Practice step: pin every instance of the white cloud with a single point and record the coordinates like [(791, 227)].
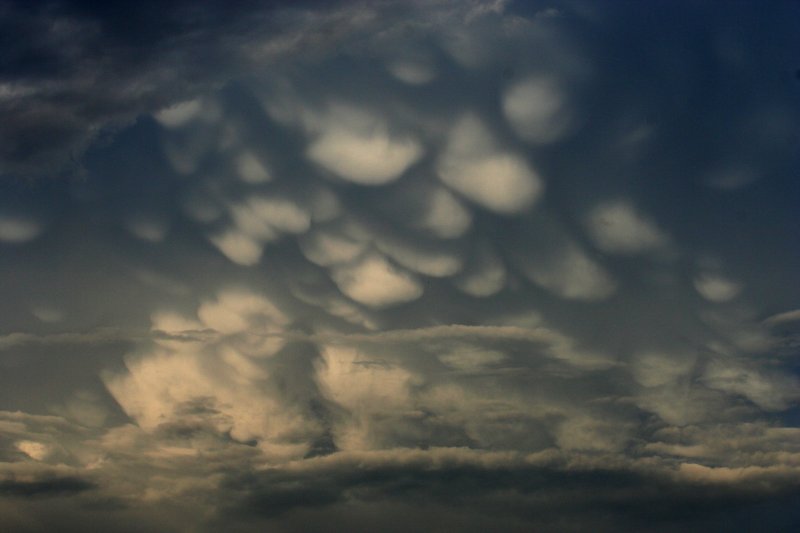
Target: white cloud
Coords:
[(280, 213), (235, 311), (258, 220), (334, 304), (616, 227), (179, 114), (250, 222), (35, 450), (265, 218), (172, 322), (538, 109), (360, 148), (238, 247), (434, 261), (412, 72), (371, 391), (219, 383), (782, 318), (497, 180), (568, 272), (349, 378), (175, 324), (185, 388), (716, 288), (527, 368), (374, 282), (326, 247)]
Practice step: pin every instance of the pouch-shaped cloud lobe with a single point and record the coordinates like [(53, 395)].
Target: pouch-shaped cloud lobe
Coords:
[(391, 266), (367, 157), (500, 181)]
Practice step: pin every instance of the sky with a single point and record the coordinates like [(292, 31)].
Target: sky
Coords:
[(432, 265)]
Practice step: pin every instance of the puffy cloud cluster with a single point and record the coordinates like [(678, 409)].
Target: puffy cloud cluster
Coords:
[(428, 265)]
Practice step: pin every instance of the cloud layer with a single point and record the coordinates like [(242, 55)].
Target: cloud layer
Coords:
[(399, 265)]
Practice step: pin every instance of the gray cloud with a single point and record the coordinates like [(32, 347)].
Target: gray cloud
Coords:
[(44, 488), (430, 265), (75, 70)]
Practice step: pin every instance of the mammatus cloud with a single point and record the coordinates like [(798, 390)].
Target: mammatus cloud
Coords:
[(499, 181), (413, 73), (358, 148), (538, 109), (474, 266), (618, 228), (373, 282)]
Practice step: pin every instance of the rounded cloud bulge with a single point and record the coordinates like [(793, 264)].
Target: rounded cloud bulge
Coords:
[(373, 281), (474, 166), (359, 148), (538, 109)]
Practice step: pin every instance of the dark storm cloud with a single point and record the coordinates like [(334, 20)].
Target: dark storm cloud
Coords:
[(542, 497), (70, 71), (67, 74), (44, 488)]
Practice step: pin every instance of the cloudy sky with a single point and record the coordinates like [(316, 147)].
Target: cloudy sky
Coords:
[(433, 265)]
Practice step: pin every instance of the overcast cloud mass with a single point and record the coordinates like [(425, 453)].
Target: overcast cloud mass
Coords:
[(445, 265)]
